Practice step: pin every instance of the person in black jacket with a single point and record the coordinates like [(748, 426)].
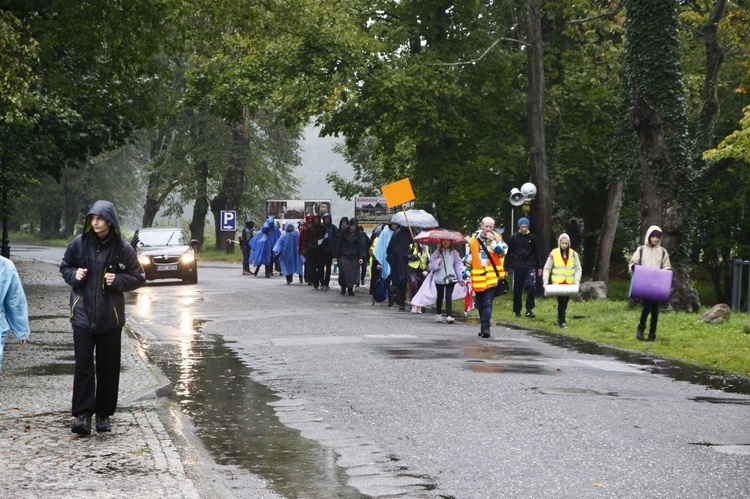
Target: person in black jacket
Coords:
[(350, 251), (399, 254), (314, 249), (330, 247), (247, 236), (99, 266), (523, 257)]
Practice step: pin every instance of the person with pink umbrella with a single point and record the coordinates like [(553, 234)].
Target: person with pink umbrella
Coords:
[(446, 263)]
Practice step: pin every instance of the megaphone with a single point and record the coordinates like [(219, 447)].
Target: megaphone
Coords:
[(528, 190), (517, 197)]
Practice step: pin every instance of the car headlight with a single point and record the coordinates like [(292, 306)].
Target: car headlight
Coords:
[(144, 260), (187, 257)]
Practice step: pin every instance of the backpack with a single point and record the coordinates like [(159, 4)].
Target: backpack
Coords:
[(379, 291)]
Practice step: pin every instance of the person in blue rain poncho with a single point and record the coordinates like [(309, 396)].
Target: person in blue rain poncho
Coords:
[(14, 310), (380, 254), (261, 246), (286, 248)]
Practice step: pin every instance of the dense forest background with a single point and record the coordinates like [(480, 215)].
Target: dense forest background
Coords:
[(624, 114)]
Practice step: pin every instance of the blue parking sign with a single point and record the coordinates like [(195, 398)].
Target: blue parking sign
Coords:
[(228, 220)]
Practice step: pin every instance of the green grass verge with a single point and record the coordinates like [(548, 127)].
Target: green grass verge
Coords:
[(681, 336)]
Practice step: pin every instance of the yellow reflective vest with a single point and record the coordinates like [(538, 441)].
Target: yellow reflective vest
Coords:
[(484, 277), (423, 261), (563, 273)]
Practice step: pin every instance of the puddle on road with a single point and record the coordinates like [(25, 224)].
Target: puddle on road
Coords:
[(481, 357), (56, 369), (486, 357), (233, 418)]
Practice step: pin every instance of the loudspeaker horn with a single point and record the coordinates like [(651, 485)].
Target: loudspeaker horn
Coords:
[(528, 190), (516, 197)]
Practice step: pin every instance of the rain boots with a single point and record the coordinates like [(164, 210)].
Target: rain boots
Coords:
[(641, 330)]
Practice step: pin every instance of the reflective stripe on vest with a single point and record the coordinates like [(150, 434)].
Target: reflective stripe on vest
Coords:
[(562, 273), (484, 277)]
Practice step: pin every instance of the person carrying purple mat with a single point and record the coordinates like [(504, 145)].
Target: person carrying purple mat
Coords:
[(652, 255)]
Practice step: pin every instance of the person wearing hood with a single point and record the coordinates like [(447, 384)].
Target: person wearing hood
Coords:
[(14, 309), (302, 233), (366, 261), (261, 247), (286, 251), (523, 258), (350, 252), (380, 253), (99, 266), (374, 264), (400, 253), (245, 238), (330, 247), (651, 254), (564, 265), (314, 247), (485, 265)]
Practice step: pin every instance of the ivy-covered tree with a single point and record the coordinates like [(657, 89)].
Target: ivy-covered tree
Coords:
[(668, 181)]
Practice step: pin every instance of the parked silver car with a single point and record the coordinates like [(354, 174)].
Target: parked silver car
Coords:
[(166, 253)]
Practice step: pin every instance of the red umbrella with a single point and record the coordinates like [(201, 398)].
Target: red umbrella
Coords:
[(434, 236)]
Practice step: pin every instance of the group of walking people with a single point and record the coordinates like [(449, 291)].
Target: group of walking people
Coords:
[(310, 251), (100, 267)]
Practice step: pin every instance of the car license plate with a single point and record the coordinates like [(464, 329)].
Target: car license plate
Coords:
[(162, 268)]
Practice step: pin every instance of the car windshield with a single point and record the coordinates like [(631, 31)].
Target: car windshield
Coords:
[(162, 238)]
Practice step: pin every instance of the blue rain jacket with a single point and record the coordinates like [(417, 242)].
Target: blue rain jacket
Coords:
[(287, 246), (14, 313)]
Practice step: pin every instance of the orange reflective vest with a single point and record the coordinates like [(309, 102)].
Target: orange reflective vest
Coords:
[(484, 277), (562, 273)]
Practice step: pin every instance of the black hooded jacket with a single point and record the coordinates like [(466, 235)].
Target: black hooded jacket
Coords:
[(94, 306)]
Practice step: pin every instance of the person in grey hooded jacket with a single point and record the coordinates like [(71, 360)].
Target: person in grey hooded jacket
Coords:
[(100, 267)]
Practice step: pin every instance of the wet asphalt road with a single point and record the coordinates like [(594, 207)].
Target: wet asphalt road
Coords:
[(402, 406)]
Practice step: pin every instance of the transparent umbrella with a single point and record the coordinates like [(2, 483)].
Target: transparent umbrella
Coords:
[(416, 218)]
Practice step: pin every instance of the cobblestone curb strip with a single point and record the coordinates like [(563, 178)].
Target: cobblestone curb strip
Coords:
[(41, 457)]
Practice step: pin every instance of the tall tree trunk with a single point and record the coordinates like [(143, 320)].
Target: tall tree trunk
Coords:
[(607, 240), (158, 188), (667, 177), (714, 60), (200, 208), (49, 222), (542, 206), (232, 187), (70, 207)]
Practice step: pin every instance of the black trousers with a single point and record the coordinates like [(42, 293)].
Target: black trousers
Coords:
[(96, 382), (315, 266), (444, 290), (562, 307), (519, 279), (245, 257), (327, 271), (650, 307)]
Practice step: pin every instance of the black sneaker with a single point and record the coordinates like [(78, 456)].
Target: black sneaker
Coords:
[(102, 423), (484, 334), (530, 314), (82, 426), (518, 315), (351, 292)]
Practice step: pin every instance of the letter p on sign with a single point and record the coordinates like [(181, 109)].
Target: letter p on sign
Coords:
[(228, 220)]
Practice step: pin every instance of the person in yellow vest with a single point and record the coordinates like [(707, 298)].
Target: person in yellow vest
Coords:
[(563, 267), (484, 264), (417, 272)]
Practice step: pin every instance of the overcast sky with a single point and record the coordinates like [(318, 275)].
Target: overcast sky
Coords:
[(318, 159)]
